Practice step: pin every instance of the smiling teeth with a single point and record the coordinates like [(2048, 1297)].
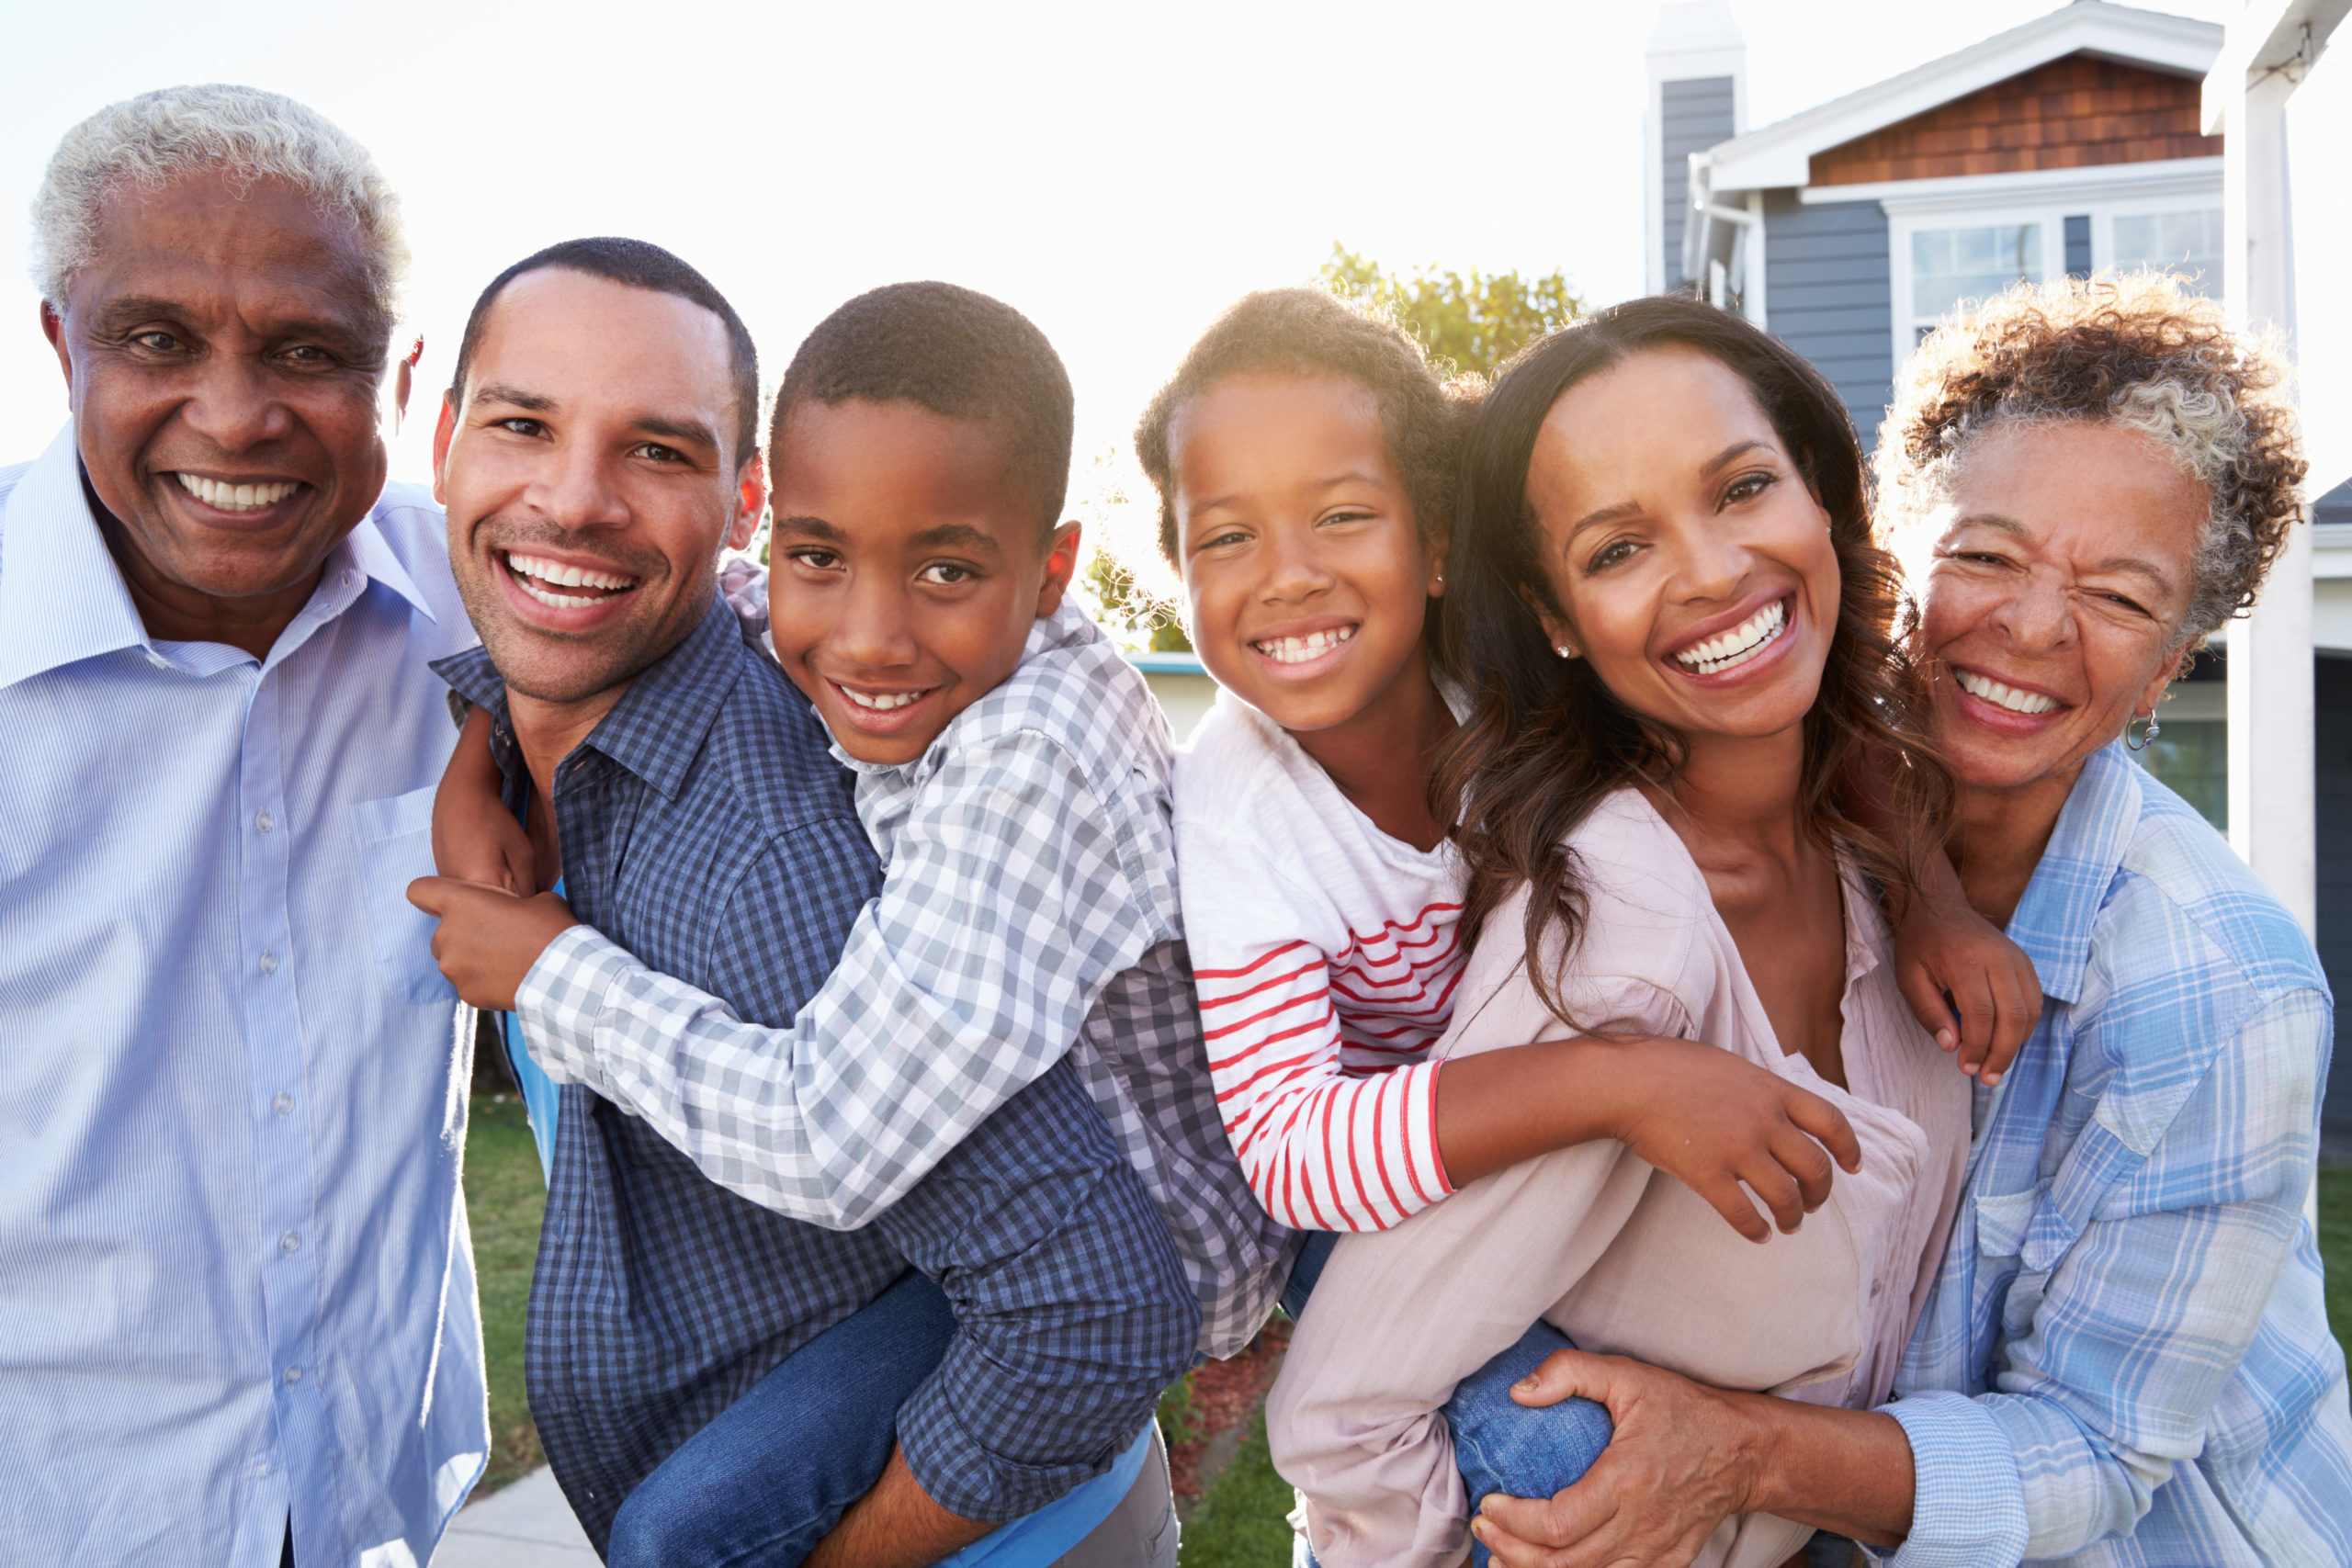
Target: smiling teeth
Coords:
[(1740, 644), (883, 701), (235, 498), (556, 574), (1987, 690), (1299, 650)]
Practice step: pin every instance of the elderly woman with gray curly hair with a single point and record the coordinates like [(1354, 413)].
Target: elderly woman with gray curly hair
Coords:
[(2126, 1356)]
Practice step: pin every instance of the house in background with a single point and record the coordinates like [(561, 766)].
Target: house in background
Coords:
[(2076, 143)]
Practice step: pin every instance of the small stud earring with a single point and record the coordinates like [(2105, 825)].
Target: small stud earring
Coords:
[(1565, 651)]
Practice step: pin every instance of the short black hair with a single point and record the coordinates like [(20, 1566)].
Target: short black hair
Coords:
[(637, 264), (955, 352)]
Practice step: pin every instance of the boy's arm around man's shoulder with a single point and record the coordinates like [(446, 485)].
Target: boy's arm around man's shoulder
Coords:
[(1005, 910)]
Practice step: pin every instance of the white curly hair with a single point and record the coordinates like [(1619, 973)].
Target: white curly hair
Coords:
[(243, 132)]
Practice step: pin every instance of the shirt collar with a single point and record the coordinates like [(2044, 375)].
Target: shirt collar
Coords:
[(659, 725), (661, 722), (62, 598), (2054, 921)]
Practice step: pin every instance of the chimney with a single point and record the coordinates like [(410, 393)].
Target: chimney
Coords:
[(1698, 97)]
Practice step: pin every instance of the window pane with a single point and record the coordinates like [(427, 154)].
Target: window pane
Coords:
[(2192, 757), (1952, 267), (2187, 242)]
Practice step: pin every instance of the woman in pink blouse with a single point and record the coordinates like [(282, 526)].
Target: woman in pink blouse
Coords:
[(1680, 634)]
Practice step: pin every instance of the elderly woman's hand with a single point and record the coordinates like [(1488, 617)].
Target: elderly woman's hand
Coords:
[(1676, 1466)]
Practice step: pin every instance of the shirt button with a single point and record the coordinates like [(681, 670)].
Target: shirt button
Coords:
[(283, 1104), (264, 822), (293, 1376), (290, 1244), (269, 964)]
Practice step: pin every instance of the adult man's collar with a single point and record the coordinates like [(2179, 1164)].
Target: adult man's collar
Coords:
[(660, 721), (62, 598), (2061, 902)]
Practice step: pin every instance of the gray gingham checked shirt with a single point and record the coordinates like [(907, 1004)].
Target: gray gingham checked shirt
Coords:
[(1028, 913), (703, 822)]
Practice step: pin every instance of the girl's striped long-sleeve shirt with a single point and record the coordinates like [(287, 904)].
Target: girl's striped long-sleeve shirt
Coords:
[(1325, 957)]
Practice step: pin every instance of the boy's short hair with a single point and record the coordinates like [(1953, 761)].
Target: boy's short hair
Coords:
[(955, 352), (636, 264), (1305, 332)]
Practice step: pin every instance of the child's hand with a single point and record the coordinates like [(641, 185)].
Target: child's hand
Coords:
[(475, 837), (1712, 1121), (488, 937), (1951, 960)]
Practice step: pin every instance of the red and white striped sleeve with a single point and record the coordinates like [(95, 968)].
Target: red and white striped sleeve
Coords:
[(1326, 1145)]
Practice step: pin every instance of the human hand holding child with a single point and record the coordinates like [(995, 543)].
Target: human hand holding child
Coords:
[(488, 937)]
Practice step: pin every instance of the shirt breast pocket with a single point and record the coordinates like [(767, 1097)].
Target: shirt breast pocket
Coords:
[(395, 848), (2010, 1243)]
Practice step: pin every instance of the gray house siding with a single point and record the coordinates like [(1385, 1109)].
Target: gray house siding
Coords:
[(1826, 295), (1694, 116), (2332, 700)]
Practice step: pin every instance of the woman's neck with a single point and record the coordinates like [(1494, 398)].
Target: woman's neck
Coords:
[(1739, 791), (1997, 837), (1381, 758)]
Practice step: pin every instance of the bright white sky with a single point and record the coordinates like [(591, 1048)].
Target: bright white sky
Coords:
[(1118, 173)]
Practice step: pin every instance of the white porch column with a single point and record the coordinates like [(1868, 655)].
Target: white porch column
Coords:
[(2272, 757)]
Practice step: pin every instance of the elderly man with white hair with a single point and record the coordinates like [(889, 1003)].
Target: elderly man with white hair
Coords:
[(237, 1315)]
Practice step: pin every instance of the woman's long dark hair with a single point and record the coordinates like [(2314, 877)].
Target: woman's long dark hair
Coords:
[(1547, 741)]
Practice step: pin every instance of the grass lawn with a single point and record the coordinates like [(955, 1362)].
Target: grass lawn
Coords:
[(504, 1197), (1239, 1522)]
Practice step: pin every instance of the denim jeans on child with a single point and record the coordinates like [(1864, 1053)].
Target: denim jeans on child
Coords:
[(1499, 1444), (763, 1482)]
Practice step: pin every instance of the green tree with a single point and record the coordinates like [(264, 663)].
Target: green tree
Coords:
[(1470, 321)]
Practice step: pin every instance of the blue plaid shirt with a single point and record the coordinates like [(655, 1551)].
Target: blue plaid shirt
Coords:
[(704, 825), (2126, 1359)]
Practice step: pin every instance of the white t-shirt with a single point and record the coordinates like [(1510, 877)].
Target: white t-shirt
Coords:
[(1325, 957)]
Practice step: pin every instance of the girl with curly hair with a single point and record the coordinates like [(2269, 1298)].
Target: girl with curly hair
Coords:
[(2124, 1355)]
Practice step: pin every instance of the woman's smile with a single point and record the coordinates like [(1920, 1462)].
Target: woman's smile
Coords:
[(1751, 648)]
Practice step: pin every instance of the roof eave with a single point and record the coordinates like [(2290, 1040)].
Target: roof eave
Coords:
[(1779, 155)]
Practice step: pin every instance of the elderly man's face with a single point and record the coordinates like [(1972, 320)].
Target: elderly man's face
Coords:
[(2052, 604), (590, 479), (222, 352)]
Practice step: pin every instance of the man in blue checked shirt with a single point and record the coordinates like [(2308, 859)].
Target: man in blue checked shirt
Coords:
[(597, 450), (237, 1315)]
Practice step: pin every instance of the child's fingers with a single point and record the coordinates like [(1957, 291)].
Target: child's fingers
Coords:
[(1826, 1124), (1777, 1190), (2020, 1012), (1971, 995), (1730, 1200), (1926, 994), (1807, 1164)]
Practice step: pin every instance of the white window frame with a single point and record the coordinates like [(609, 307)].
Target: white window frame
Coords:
[(2049, 196)]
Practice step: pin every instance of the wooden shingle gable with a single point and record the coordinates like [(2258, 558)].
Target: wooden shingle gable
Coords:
[(2075, 112)]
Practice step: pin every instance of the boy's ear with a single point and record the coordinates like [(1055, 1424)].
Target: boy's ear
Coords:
[(444, 428), (1061, 565), (751, 500)]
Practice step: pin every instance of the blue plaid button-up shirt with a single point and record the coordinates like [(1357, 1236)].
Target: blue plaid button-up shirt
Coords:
[(704, 825), (2126, 1359)]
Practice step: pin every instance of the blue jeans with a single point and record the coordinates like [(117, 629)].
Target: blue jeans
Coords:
[(1500, 1444), (761, 1485)]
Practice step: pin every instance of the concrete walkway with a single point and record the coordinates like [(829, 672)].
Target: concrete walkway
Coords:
[(528, 1524)]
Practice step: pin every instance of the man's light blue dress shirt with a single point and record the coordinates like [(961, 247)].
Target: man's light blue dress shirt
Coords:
[(234, 1272)]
